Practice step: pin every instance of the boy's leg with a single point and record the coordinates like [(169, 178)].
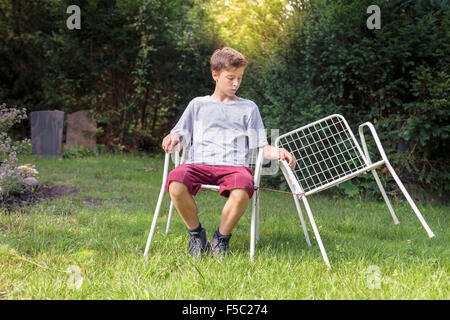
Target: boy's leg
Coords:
[(236, 183), (186, 207), (233, 210), (184, 203)]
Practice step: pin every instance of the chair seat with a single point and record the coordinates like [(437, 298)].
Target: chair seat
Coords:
[(210, 187)]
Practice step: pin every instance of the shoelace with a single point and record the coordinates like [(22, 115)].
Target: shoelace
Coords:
[(223, 244), (195, 243)]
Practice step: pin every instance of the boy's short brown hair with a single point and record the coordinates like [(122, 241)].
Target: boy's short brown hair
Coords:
[(225, 58)]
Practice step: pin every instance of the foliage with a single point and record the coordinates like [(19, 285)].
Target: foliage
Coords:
[(78, 152), (253, 27), (11, 175), (135, 64), (396, 77), (170, 65), (82, 151)]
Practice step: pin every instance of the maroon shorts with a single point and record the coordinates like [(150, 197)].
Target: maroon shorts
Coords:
[(227, 177)]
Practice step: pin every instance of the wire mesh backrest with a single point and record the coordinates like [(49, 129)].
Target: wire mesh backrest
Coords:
[(325, 151)]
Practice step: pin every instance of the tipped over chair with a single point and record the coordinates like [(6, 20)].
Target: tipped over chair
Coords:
[(328, 154)]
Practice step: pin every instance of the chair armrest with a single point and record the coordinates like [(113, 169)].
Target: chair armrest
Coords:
[(258, 166), (375, 138)]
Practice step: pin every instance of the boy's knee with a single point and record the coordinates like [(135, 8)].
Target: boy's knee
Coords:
[(239, 195), (177, 189)]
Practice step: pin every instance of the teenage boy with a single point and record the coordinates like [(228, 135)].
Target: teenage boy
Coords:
[(223, 128)]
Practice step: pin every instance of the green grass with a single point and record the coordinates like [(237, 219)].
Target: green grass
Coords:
[(39, 244)]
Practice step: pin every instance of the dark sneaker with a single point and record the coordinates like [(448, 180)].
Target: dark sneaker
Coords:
[(220, 244), (198, 244)]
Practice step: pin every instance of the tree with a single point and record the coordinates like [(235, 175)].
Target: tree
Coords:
[(396, 77)]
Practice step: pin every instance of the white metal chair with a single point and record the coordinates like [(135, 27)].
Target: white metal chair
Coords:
[(256, 159), (328, 154)]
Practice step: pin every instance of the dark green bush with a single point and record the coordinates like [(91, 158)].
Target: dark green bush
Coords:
[(397, 77)]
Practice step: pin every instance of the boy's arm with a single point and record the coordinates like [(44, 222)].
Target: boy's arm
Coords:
[(271, 152), (257, 138), (182, 131)]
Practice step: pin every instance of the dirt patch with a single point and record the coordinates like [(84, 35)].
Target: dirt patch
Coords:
[(29, 198)]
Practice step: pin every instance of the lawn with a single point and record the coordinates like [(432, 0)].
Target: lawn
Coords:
[(69, 248)]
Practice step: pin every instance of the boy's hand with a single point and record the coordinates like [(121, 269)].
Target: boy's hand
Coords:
[(170, 141), (285, 155), (271, 152)]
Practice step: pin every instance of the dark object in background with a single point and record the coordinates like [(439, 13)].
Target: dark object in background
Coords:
[(47, 133), (80, 130)]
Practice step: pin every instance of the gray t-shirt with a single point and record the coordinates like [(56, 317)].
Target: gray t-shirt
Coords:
[(222, 132)]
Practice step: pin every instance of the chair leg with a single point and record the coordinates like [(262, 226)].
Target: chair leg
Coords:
[(302, 221), (316, 232), (257, 220), (155, 217), (169, 218), (385, 197), (253, 229), (410, 200), (393, 173)]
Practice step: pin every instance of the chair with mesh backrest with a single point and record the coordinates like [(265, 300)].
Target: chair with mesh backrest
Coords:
[(328, 154), (180, 157)]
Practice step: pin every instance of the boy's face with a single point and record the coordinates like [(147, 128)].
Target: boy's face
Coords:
[(228, 80)]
